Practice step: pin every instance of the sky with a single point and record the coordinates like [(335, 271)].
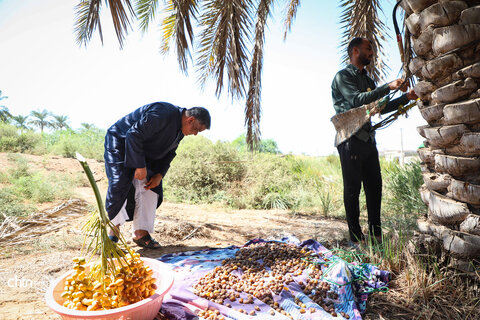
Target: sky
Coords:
[(42, 67)]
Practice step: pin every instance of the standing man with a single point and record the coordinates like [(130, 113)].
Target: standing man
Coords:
[(352, 88), (138, 150)]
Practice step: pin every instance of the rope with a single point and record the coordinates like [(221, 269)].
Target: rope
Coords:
[(394, 116)]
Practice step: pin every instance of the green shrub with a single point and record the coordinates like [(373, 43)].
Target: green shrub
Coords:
[(264, 146), (202, 169), (67, 142), (38, 188), (34, 186), (13, 140), (8, 143), (28, 142), (21, 168), (12, 205), (402, 199), (207, 171), (270, 182)]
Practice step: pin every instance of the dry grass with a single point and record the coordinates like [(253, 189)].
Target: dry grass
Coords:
[(21, 230), (425, 285), (183, 230)]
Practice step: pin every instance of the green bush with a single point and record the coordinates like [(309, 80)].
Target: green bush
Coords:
[(270, 183), (8, 143), (401, 196), (264, 146), (12, 205), (89, 143), (13, 140), (34, 186), (202, 169), (28, 141), (21, 168), (206, 171)]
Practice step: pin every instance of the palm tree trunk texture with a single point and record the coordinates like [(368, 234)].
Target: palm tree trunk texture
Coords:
[(446, 42)]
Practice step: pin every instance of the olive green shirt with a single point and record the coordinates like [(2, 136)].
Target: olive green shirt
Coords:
[(352, 88)]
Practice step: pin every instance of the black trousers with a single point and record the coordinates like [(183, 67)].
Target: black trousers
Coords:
[(360, 164)]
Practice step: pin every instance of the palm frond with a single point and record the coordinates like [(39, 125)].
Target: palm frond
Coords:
[(178, 25), (146, 10), (20, 121), (226, 26), (121, 18), (87, 18), (87, 14), (292, 8), (253, 105), (5, 114), (206, 60), (360, 18)]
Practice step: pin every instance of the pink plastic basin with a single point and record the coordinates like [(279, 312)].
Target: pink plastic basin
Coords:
[(146, 309)]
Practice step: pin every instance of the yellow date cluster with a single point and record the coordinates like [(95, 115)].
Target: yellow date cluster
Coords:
[(131, 283)]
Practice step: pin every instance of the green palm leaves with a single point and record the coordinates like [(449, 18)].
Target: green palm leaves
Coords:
[(178, 25), (88, 19), (5, 114), (225, 37), (40, 119), (360, 19)]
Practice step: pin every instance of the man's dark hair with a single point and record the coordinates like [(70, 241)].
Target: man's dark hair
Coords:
[(201, 114), (355, 43)]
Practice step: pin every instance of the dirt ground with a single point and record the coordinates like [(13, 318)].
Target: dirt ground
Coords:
[(44, 250)]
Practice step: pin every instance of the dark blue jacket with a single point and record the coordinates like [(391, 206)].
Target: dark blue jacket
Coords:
[(147, 137)]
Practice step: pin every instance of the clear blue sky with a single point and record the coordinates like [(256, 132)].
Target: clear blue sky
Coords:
[(41, 66)]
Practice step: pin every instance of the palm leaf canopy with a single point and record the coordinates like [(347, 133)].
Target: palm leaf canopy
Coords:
[(20, 121), (60, 121), (360, 18), (231, 37), (5, 114), (40, 119)]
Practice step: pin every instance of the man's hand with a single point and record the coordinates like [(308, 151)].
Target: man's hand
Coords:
[(140, 173), (153, 182), (411, 95), (397, 84)]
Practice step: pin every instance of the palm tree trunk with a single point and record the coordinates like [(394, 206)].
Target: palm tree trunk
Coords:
[(446, 40)]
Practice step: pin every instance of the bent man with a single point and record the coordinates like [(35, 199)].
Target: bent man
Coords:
[(138, 150), (352, 88)]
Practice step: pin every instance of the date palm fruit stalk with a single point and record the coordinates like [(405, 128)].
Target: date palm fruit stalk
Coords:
[(96, 234)]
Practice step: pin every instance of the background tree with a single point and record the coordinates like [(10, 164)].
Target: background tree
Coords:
[(87, 126), (265, 145), (60, 122), (40, 119), (231, 37), (20, 122), (5, 115)]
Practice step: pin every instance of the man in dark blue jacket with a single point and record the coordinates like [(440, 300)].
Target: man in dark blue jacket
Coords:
[(352, 88), (138, 150)]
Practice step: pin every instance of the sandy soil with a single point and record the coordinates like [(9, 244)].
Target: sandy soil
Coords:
[(26, 269)]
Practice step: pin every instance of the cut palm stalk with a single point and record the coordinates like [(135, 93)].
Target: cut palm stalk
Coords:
[(96, 229)]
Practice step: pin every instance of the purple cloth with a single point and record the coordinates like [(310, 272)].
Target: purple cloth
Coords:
[(353, 284)]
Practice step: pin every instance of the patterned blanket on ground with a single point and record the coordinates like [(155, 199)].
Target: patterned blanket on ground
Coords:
[(351, 283)]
